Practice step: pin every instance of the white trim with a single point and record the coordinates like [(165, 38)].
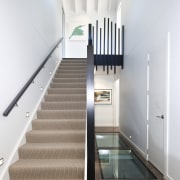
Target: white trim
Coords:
[(166, 130), (147, 105)]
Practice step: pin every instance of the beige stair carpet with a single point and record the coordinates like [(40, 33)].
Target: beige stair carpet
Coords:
[(55, 146)]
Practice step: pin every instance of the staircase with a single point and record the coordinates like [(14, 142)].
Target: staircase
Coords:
[(55, 147)]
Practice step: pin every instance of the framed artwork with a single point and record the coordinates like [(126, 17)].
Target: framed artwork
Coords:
[(77, 31), (103, 96)]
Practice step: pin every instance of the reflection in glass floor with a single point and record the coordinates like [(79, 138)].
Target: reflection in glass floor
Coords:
[(117, 161), (122, 164), (109, 140)]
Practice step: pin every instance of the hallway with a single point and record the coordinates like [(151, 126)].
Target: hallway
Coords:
[(145, 93)]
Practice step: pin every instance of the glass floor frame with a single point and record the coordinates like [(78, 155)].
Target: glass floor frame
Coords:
[(118, 161)]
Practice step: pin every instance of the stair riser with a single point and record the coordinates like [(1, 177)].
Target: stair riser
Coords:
[(43, 114), (73, 80), (65, 75), (58, 125), (71, 71), (55, 138), (51, 153), (80, 98), (63, 106), (67, 91), (47, 173), (71, 60), (71, 68), (68, 85), (55, 146)]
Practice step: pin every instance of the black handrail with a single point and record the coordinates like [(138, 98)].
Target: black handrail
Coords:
[(21, 92)]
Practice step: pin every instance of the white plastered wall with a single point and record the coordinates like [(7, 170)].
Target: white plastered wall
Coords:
[(107, 115), (29, 30), (78, 49), (143, 20)]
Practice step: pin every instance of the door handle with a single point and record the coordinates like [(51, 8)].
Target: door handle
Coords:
[(160, 116)]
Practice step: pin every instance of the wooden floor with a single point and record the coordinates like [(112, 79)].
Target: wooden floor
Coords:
[(155, 171)]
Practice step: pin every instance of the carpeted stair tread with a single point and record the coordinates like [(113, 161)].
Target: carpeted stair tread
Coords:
[(43, 179), (55, 147), (48, 169), (69, 80), (58, 124), (79, 64), (65, 97), (46, 136), (67, 91), (68, 85), (71, 67), (52, 151), (63, 105), (72, 60), (70, 75), (74, 71), (61, 114)]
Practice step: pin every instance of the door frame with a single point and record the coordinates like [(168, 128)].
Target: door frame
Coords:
[(166, 101)]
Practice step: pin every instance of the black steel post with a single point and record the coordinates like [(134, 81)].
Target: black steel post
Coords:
[(90, 115), (104, 42)]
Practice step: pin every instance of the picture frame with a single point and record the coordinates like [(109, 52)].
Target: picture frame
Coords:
[(103, 96)]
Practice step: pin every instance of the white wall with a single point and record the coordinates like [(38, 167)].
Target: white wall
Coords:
[(29, 30), (78, 49), (107, 115), (174, 95), (143, 20)]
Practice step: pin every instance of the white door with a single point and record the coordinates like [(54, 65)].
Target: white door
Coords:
[(157, 103)]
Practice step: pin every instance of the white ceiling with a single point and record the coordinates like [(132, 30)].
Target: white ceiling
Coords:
[(76, 7)]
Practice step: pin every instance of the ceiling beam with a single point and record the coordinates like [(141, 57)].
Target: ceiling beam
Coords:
[(75, 6), (85, 6), (98, 5), (109, 6)]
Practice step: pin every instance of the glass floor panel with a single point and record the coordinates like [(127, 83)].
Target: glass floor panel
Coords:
[(109, 140), (122, 164)]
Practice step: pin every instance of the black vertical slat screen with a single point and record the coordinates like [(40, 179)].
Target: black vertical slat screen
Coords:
[(109, 45), (104, 35), (108, 36), (119, 41), (104, 41), (96, 36), (122, 40), (90, 35), (107, 57), (111, 41), (93, 34), (115, 38), (96, 40), (100, 40)]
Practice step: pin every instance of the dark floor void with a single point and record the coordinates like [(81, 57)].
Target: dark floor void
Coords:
[(117, 159)]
